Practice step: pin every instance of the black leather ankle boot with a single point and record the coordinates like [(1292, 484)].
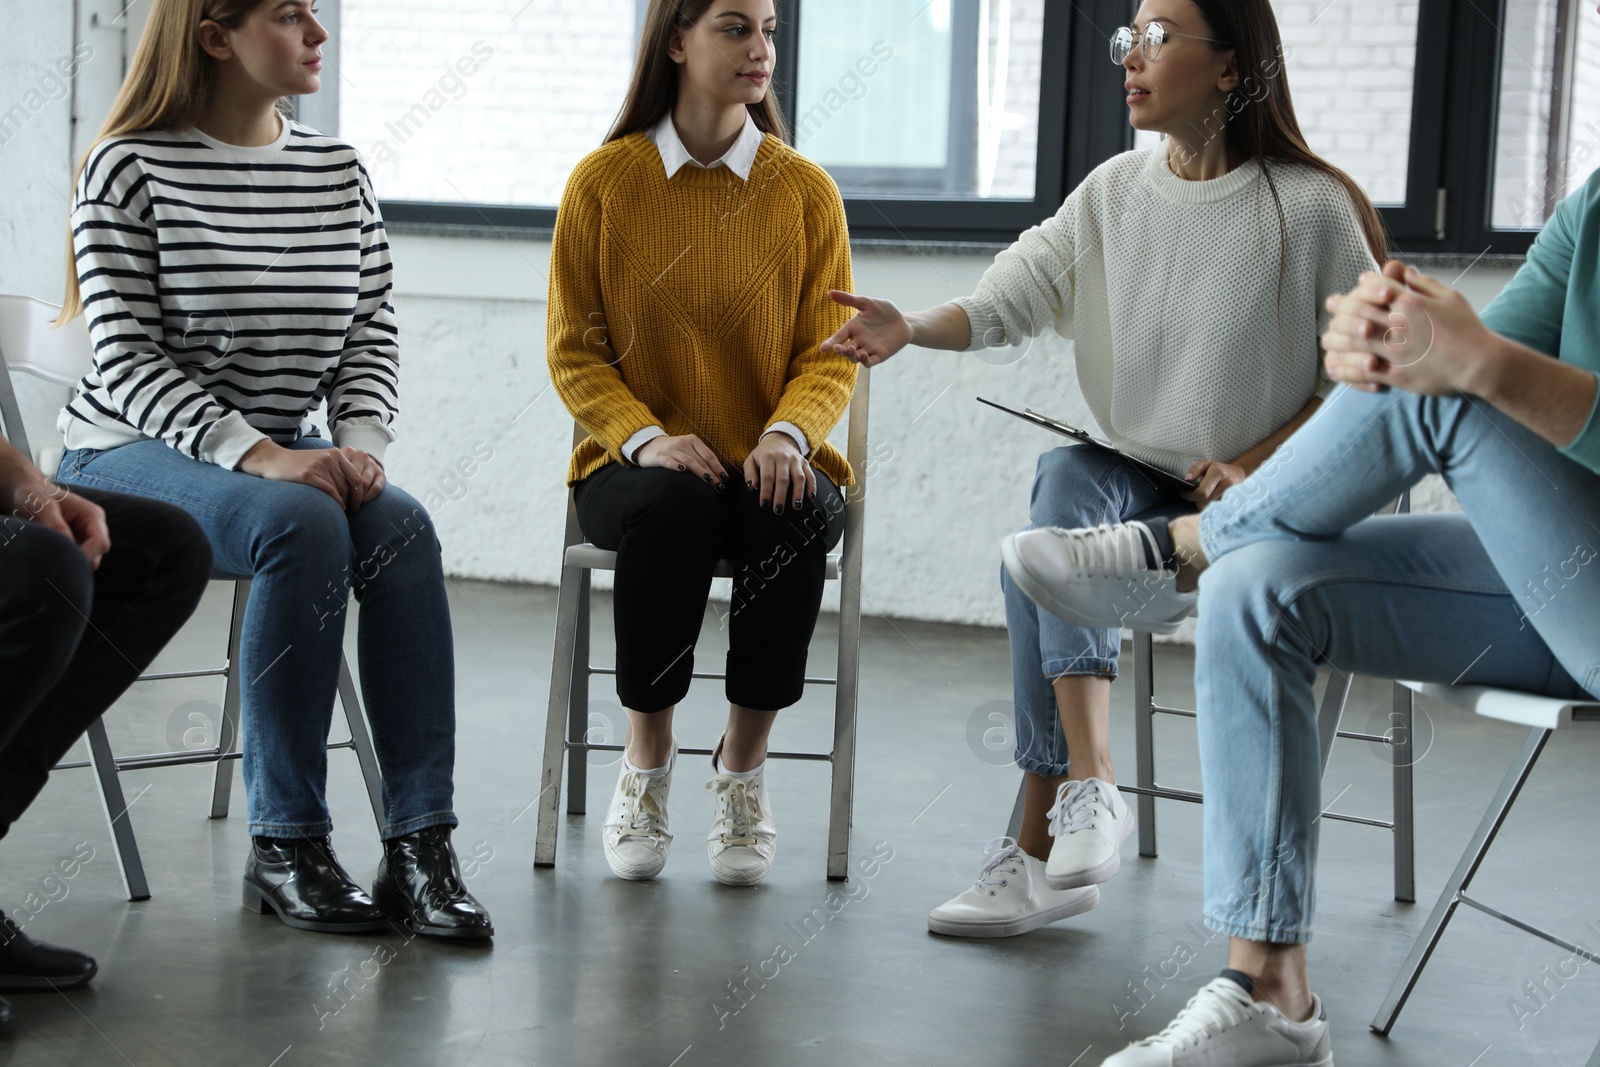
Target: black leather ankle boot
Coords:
[(301, 881), (419, 882), (29, 966)]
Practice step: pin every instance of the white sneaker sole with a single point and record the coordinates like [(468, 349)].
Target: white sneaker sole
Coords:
[(1012, 927), (634, 872), (1102, 872), (1046, 598)]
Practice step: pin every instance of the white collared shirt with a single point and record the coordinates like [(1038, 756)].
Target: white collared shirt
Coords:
[(740, 159)]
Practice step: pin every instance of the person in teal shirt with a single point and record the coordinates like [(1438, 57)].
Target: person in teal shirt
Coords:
[(1293, 571)]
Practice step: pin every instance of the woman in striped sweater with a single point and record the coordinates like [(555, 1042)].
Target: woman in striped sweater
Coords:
[(234, 274), (689, 282)]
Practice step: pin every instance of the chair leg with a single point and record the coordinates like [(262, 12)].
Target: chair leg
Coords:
[(361, 741), (841, 800), (1144, 738), (578, 703), (1493, 816), (561, 667), (1403, 751), (1018, 806), (1334, 698), (116, 808), (228, 729)]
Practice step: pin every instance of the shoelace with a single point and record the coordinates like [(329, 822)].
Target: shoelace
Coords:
[(641, 815), (738, 806), (996, 854), (1074, 806), (1219, 1004), (1110, 551)]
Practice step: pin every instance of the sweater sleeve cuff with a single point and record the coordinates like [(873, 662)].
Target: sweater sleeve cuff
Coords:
[(793, 431), (367, 435), (988, 331), (1586, 448), (229, 438), (639, 440)]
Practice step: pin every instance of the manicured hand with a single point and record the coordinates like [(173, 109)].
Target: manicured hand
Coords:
[(328, 469), (779, 473), (687, 453), (1215, 478), (877, 331), (1405, 329)]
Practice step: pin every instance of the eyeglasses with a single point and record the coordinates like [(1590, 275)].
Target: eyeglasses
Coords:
[(1154, 36)]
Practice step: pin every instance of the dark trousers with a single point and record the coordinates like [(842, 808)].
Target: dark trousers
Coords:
[(668, 529), (73, 639)]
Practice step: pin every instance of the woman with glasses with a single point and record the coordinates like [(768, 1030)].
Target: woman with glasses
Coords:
[(1190, 276)]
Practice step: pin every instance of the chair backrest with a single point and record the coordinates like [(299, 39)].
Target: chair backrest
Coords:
[(29, 343)]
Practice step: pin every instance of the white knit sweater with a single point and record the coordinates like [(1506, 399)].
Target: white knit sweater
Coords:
[(1187, 347)]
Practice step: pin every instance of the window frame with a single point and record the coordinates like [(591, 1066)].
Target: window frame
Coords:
[(1083, 122)]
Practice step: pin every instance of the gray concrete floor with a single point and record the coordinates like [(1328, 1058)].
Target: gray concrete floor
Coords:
[(587, 969)]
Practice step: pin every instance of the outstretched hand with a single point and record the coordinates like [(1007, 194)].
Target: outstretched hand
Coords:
[(877, 331)]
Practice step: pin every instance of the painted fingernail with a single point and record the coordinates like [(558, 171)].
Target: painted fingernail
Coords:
[(707, 477), (798, 502), (682, 467), (724, 475), (749, 485), (721, 488), (778, 510)]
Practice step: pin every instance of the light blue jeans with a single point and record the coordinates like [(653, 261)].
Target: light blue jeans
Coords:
[(303, 554), (1506, 594), (1073, 486)]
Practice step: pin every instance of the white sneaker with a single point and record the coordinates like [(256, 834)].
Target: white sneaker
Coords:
[(636, 835), (1222, 1026), (743, 839), (1097, 577), (1009, 898), (1090, 821)]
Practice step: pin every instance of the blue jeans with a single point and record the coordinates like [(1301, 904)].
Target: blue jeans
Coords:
[(1073, 486), (303, 553), (1506, 594)]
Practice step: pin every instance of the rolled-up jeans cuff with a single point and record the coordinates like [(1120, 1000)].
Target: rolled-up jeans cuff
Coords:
[(421, 822), (1081, 666), (1276, 935)]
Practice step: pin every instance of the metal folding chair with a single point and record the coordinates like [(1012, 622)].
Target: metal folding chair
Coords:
[(1329, 713), (566, 718), (1543, 716), (61, 357)]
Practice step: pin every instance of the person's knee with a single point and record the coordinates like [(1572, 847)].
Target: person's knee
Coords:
[(677, 502), (1069, 488), (302, 523), (48, 583), (187, 560), (1256, 591)]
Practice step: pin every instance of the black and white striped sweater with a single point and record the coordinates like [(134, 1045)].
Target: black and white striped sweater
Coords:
[(228, 292)]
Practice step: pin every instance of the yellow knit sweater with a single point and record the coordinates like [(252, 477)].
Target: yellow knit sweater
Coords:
[(698, 304)]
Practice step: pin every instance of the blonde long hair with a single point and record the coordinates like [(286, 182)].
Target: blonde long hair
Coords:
[(167, 88)]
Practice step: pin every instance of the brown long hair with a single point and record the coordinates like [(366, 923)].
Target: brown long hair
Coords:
[(1261, 123), (167, 88), (654, 89)]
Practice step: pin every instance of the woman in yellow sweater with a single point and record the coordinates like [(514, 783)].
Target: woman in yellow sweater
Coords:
[(689, 280)]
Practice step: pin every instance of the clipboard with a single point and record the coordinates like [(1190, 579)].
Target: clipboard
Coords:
[(1164, 479)]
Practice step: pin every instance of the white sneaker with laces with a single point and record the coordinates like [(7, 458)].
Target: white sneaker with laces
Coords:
[(1223, 1026), (1009, 898), (636, 837), (1098, 577), (743, 840), (1089, 821)]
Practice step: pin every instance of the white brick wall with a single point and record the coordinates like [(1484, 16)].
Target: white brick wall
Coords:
[(1350, 66)]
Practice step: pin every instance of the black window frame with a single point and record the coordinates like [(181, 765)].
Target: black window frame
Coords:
[(1083, 122)]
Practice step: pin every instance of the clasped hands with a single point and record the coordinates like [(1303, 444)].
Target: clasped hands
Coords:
[(1405, 329), (349, 475), (775, 469)]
